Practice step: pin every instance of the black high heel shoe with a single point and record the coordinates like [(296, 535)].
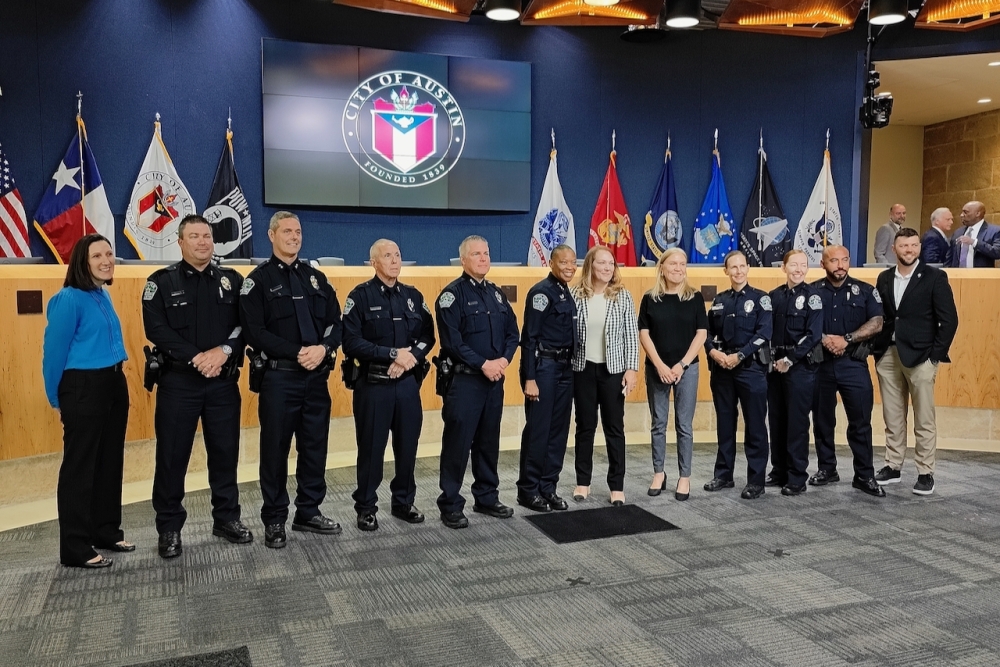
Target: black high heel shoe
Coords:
[(655, 491), (681, 496)]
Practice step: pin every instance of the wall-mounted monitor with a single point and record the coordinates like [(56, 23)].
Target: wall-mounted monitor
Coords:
[(346, 126)]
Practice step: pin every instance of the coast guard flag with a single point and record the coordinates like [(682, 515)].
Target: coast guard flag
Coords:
[(158, 203), (662, 229), (13, 221), (228, 212), (553, 221), (820, 224), (715, 233), (75, 203), (764, 236), (610, 225)]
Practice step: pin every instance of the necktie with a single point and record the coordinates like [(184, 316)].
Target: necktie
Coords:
[(964, 254), (206, 314), (306, 327)]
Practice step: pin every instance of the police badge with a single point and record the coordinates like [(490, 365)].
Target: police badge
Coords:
[(409, 302), (748, 306), (800, 302), (854, 290), (499, 298), (314, 282), (226, 285)]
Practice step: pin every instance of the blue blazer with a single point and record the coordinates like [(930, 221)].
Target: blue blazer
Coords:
[(934, 248), (987, 250)]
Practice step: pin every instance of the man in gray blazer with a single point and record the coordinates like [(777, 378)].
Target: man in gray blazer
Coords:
[(886, 233)]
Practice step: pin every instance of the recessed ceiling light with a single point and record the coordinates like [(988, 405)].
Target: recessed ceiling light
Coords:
[(985, 100), (995, 63)]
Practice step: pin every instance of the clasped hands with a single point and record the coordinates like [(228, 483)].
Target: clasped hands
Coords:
[(667, 374), (494, 368), (404, 361), (727, 361), (210, 362), (834, 344)]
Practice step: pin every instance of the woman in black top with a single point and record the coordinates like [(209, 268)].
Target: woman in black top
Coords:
[(672, 328)]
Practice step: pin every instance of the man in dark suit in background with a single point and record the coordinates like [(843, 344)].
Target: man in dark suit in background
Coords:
[(919, 326), (935, 246), (977, 243)]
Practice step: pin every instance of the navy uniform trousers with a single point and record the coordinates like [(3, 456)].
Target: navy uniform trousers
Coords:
[(472, 411), (293, 403), (379, 408), (543, 441), (746, 385), (851, 378), (789, 401)]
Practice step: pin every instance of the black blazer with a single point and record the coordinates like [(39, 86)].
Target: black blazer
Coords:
[(987, 250), (935, 248), (926, 320)]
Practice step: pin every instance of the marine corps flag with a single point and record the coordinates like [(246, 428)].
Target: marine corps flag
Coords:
[(228, 212), (820, 225), (715, 233), (764, 237), (610, 226), (158, 203), (553, 221), (662, 229)]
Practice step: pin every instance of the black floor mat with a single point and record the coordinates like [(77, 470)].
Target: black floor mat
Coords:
[(239, 657), (581, 525)]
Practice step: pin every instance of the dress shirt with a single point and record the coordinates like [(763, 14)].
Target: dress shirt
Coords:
[(972, 231)]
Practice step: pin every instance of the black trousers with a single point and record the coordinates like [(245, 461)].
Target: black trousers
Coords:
[(472, 411), (745, 386), (379, 409), (181, 400), (94, 410), (852, 380), (293, 403), (789, 401), (546, 429), (594, 388)]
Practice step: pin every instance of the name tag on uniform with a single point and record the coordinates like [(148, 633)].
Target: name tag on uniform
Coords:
[(275, 289), (473, 303), (375, 308)]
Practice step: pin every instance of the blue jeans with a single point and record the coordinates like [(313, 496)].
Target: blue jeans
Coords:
[(685, 400)]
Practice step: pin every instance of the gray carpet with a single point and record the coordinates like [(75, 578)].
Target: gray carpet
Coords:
[(830, 578)]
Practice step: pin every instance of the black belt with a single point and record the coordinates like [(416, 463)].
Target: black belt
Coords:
[(465, 369), (782, 350), (559, 354), (379, 373), (174, 366), (284, 365)]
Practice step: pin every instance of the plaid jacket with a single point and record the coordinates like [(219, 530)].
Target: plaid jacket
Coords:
[(621, 333)]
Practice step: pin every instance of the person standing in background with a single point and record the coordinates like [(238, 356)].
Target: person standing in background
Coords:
[(935, 246), (977, 244), (886, 233)]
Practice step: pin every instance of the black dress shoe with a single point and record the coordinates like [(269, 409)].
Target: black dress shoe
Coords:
[(869, 486), (121, 547), (824, 477), (234, 531), (752, 491), (317, 524), (555, 502), (169, 545), (793, 489), (96, 565), (774, 479), (367, 522), (454, 520), (497, 510), (408, 513), (534, 503), (717, 484), (274, 536)]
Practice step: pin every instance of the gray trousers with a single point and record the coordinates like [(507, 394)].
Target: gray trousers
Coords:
[(685, 399)]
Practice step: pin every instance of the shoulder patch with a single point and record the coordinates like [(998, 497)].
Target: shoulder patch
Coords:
[(815, 303), (348, 305), (878, 297), (446, 299), (247, 286), (426, 307), (149, 291), (765, 302), (540, 302)]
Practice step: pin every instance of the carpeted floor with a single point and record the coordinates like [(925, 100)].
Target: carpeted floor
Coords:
[(830, 578)]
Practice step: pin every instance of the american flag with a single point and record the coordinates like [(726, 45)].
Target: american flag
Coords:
[(13, 221)]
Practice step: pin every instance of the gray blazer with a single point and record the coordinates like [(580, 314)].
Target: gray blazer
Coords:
[(621, 333)]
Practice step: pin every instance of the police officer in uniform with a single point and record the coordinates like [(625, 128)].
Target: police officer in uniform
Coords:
[(290, 313), (190, 311), (388, 330), (798, 326), (548, 340), (852, 316), (739, 327), (479, 335)]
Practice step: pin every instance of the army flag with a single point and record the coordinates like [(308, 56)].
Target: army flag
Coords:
[(610, 225), (158, 203), (662, 229), (553, 221), (820, 225), (228, 212), (75, 203), (715, 232), (764, 235)]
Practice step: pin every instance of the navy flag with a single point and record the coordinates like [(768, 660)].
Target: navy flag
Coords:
[(662, 228), (228, 212), (715, 232), (764, 237)]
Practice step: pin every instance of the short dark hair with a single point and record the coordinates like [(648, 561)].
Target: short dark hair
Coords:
[(904, 233), (192, 218), (78, 269)]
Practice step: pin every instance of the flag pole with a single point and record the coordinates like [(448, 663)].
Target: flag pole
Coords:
[(760, 190), (666, 156), (80, 137), (607, 179), (552, 153), (229, 134), (826, 193)]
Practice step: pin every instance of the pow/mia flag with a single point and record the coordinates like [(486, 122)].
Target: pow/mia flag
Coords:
[(764, 236), (228, 212)]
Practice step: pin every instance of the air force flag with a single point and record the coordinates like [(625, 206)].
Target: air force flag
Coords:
[(820, 225), (553, 222), (715, 233), (764, 237), (662, 228)]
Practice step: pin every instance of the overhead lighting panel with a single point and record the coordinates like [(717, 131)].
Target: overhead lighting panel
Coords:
[(958, 14), (810, 18)]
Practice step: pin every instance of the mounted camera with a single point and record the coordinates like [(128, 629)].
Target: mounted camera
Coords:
[(875, 108)]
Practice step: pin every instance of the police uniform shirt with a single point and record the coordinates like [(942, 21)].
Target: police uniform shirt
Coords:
[(739, 322), (379, 318), (847, 307), (186, 312), (476, 322), (798, 320), (271, 318), (549, 322)]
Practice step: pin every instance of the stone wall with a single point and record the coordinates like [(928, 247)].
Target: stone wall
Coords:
[(961, 164)]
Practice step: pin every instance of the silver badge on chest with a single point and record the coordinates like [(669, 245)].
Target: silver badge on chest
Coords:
[(748, 306), (800, 302)]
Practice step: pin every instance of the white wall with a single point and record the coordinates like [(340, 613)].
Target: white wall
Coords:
[(897, 174)]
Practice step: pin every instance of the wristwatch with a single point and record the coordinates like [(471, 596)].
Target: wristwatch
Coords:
[(685, 366), (393, 353), (741, 356), (227, 350), (849, 338)]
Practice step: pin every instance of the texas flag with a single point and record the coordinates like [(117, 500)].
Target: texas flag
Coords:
[(75, 203), (610, 225)]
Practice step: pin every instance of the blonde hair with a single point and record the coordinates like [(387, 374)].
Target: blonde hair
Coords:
[(584, 285), (791, 253), (660, 287)]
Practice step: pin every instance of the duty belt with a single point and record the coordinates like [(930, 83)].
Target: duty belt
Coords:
[(284, 365), (559, 354), (465, 369), (379, 372), (174, 366)]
